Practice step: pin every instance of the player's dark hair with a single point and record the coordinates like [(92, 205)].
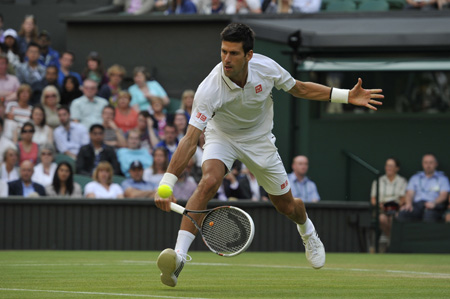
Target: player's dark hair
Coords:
[(236, 33)]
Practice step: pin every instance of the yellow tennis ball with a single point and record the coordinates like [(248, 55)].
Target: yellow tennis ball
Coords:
[(164, 191)]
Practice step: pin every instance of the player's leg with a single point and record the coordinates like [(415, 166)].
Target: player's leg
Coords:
[(294, 209), (171, 261)]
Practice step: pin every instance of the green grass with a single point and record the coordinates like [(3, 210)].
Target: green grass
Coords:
[(119, 274)]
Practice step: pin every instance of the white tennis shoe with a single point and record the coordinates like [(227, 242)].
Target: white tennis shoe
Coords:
[(314, 250), (171, 263)]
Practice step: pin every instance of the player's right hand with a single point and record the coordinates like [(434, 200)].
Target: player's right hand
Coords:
[(164, 203)]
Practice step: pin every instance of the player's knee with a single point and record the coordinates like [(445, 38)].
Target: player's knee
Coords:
[(285, 207), (210, 182)]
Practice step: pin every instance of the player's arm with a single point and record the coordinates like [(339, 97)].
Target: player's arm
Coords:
[(357, 95), (183, 154)]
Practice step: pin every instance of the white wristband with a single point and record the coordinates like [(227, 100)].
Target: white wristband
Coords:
[(339, 95), (169, 179)]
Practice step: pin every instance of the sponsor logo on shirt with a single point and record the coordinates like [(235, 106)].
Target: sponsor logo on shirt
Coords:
[(284, 185), (258, 88), (201, 116)]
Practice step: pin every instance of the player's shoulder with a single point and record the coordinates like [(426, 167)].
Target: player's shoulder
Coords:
[(263, 64), (212, 82)]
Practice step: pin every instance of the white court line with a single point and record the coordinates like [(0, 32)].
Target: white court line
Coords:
[(442, 275), (98, 293)]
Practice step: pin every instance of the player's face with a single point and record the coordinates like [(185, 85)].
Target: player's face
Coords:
[(234, 60)]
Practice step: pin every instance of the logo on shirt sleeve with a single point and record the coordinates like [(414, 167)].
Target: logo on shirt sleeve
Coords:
[(284, 185), (201, 116), (258, 88)]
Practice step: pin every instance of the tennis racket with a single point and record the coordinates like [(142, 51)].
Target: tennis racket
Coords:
[(226, 231)]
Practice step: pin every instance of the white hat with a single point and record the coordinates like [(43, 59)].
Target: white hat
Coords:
[(10, 32)]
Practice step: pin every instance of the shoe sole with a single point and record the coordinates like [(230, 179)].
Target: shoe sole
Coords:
[(167, 263)]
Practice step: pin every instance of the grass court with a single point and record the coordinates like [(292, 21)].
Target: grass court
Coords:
[(133, 274)]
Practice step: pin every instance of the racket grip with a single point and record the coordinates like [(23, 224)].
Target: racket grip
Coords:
[(176, 208)]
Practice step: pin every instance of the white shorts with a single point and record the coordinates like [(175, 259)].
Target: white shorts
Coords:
[(260, 156)]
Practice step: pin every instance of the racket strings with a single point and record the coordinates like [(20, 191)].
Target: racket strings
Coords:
[(226, 230)]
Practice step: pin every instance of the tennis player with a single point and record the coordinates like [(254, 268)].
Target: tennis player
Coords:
[(235, 100)]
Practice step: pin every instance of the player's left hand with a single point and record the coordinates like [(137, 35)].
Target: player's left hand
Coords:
[(164, 203), (365, 97)]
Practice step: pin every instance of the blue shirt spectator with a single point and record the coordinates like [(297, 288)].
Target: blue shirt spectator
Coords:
[(69, 136), (304, 189), (133, 152), (140, 100), (428, 188), (182, 7), (301, 186)]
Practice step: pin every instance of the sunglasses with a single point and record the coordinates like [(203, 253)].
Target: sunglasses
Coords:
[(28, 131), (50, 96), (46, 154)]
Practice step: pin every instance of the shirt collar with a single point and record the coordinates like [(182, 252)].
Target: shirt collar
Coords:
[(230, 83)]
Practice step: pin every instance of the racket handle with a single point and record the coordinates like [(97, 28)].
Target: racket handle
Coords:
[(176, 208)]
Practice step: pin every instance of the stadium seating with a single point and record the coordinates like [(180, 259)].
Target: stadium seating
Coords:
[(373, 5), (82, 180), (341, 6), (62, 157)]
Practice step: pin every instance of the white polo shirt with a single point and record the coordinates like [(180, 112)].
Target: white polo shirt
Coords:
[(242, 113)]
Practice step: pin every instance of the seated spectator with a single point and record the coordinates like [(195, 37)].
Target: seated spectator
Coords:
[(159, 117), (258, 192), (133, 152), (110, 91), (65, 64), (170, 142), (24, 186), (125, 116), (88, 108), (31, 72), (12, 48), (182, 7), (48, 56), (235, 184), (186, 185), (426, 193), (135, 186), (94, 70), (5, 143), (425, 5), (102, 186), (70, 90), (3, 189), (155, 173), (62, 184), (187, 99), (51, 77), (43, 133), (113, 134), (137, 7), (144, 91), (391, 194), (301, 186), (9, 84), (306, 6), (69, 136), (28, 33), (90, 155), (8, 170), (212, 7), (278, 6), (248, 6), (50, 102), (148, 132), (28, 150), (45, 170), (180, 122), (20, 111)]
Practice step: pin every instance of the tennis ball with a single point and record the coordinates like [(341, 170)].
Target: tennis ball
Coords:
[(164, 191)]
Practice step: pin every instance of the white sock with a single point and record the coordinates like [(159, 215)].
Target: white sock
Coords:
[(306, 229), (184, 241)]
